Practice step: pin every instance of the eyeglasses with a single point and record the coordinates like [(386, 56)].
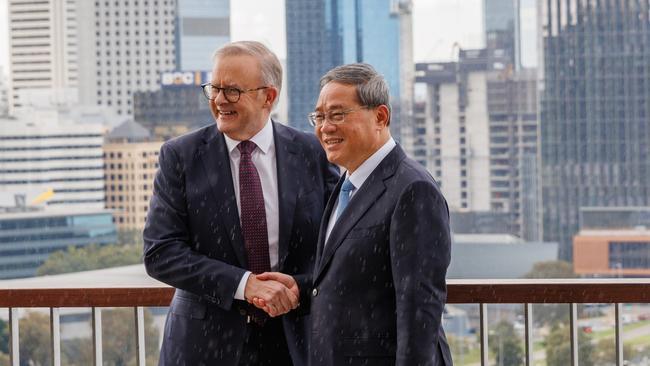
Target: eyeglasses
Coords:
[(231, 93), (317, 119)]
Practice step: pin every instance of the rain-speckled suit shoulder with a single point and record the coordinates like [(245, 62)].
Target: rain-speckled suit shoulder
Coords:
[(379, 280), (193, 241)]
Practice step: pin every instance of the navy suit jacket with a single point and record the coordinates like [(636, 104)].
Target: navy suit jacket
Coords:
[(379, 283), (193, 241)]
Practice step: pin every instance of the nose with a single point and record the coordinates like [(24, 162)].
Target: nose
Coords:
[(220, 97), (326, 127)]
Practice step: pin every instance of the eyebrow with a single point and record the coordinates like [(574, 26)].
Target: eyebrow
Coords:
[(332, 107)]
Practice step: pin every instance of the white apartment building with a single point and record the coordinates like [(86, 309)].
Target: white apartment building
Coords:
[(452, 134), (47, 154), (4, 94), (124, 46), (42, 46), (476, 132)]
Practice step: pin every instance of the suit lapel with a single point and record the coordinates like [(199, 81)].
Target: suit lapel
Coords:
[(287, 170), (216, 163), (360, 203), (325, 222)]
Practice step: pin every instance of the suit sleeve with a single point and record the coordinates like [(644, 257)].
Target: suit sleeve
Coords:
[(420, 255), (168, 256)]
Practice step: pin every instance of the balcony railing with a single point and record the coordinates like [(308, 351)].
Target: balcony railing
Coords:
[(481, 292)]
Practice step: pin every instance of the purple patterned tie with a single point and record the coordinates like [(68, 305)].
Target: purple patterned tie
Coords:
[(253, 219)]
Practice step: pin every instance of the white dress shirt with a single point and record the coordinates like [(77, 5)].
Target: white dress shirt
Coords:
[(359, 177), (264, 159)]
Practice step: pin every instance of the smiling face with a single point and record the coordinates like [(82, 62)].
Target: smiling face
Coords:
[(362, 133), (244, 119)]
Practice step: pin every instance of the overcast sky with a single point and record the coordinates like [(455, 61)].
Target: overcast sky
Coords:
[(437, 25)]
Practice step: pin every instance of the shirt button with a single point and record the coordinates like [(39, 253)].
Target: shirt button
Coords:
[(314, 292)]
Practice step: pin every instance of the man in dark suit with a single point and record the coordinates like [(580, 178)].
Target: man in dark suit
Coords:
[(384, 244), (232, 201)]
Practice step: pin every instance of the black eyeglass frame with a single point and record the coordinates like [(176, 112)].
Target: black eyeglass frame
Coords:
[(229, 92)]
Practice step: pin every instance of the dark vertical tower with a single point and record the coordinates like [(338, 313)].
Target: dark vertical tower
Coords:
[(322, 34), (312, 49), (595, 110)]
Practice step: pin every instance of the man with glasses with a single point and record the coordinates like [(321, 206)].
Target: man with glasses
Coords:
[(384, 245), (234, 218)]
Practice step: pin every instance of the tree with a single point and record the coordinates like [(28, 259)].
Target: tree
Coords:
[(4, 337), (558, 347), (130, 237), (118, 343), (35, 338), (605, 353), (4, 343), (550, 314), (551, 269), (505, 345), (91, 257)]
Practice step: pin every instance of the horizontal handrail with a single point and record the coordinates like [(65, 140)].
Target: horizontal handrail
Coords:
[(459, 292)]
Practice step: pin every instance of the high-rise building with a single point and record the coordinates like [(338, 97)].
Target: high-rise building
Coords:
[(130, 162), (51, 155), (501, 29), (595, 105), (512, 113), (124, 47), (322, 34), (4, 94), (452, 129), (202, 26), (43, 46), (476, 132)]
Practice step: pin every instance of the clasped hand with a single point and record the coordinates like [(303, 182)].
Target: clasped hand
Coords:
[(275, 293)]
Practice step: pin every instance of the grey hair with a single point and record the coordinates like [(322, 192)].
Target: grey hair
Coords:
[(270, 65), (372, 88)]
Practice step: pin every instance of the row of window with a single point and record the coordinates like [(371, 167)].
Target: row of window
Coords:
[(122, 198), (119, 154), (121, 188)]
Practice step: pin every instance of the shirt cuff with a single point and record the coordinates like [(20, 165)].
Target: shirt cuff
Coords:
[(239, 294)]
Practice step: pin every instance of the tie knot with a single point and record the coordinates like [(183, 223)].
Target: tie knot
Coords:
[(347, 186), (246, 147)]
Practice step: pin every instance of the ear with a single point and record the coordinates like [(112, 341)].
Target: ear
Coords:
[(271, 96), (383, 116)]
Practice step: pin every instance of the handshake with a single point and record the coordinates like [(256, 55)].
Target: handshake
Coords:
[(274, 292)]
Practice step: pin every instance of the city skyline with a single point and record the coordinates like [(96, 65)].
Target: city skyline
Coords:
[(454, 22)]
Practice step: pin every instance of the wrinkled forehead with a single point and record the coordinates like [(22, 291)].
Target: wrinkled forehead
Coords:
[(334, 95), (236, 70)]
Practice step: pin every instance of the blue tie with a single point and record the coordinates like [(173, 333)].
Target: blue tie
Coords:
[(344, 196)]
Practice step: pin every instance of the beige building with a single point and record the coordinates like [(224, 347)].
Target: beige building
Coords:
[(130, 164)]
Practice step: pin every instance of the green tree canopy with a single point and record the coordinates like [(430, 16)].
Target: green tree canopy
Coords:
[(558, 347), (91, 257), (4, 337), (118, 343), (551, 269), (505, 345)]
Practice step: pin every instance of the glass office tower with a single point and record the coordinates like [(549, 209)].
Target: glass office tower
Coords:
[(202, 27), (595, 108), (322, 34)]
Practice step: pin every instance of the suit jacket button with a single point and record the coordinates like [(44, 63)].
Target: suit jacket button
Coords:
[(242, 311), (314, 292)]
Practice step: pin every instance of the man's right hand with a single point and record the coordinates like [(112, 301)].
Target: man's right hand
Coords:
[(278, 298)]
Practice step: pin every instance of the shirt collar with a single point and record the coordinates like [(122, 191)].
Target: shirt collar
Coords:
[(263, 139), (367, 167)]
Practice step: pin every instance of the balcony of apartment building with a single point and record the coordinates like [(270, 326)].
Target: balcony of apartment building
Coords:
[(100, 316)]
